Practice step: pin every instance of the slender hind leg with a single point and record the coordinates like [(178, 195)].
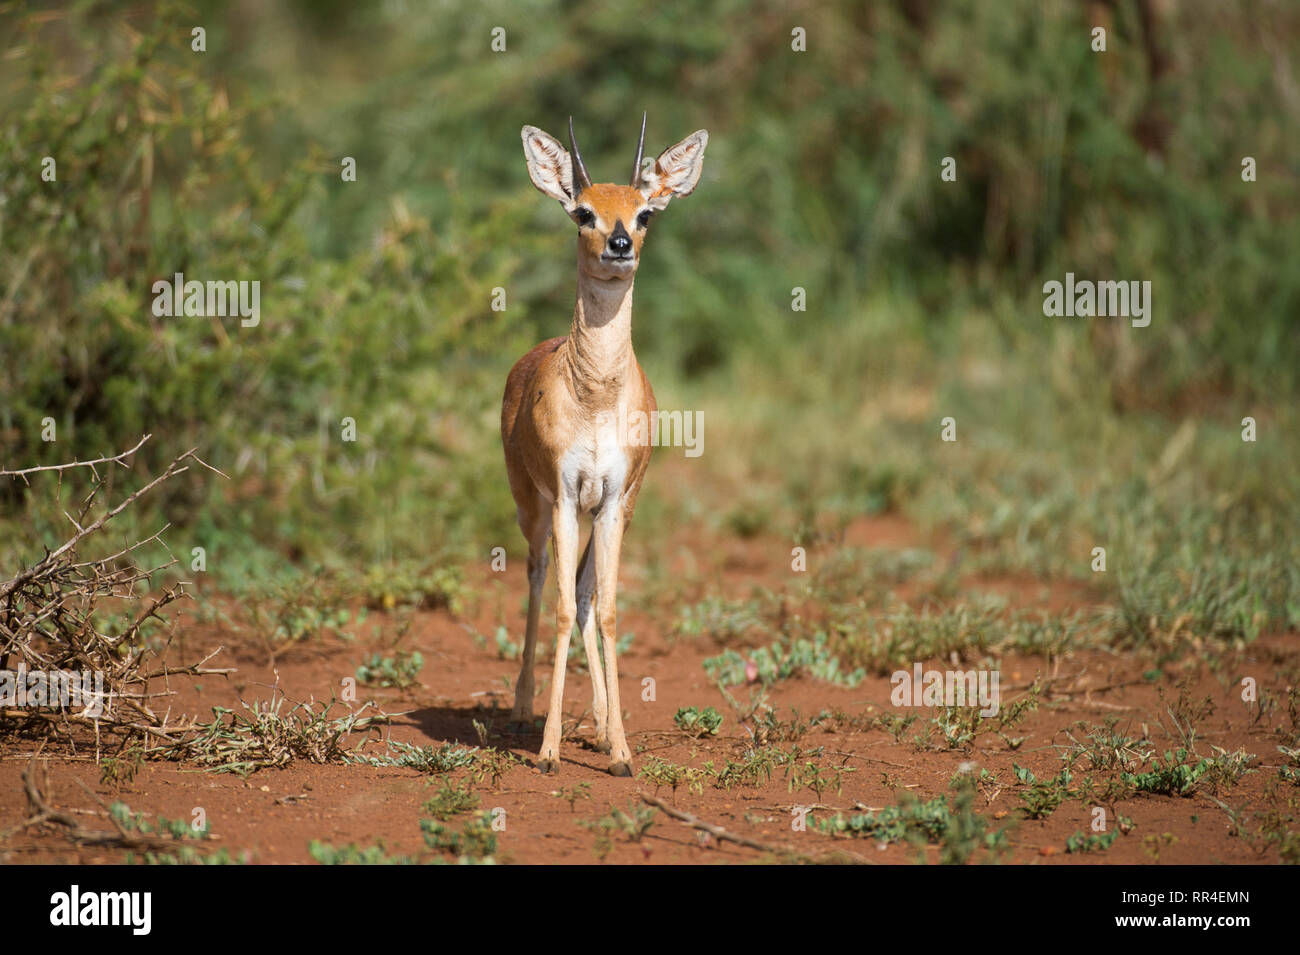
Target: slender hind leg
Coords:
[(537, 528), (587, 620)]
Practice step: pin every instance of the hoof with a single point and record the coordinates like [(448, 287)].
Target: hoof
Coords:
[(549, 766), (602, 746), (620, 769)]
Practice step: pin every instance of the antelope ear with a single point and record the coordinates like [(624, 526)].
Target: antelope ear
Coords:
[(549, 166), (676, 172)]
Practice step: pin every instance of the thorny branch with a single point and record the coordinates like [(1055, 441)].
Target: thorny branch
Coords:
[(52, 618)]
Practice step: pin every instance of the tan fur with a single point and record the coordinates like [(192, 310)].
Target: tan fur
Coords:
[(563, 455)]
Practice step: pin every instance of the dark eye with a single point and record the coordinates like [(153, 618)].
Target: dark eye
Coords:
[(585, 217), (643, 219)]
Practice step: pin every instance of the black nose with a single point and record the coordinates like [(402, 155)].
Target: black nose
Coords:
[(620, 243)]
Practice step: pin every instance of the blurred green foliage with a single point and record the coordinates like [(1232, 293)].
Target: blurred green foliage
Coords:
[(924, 296)]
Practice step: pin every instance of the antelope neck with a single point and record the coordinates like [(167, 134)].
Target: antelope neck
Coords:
[(600, 340)]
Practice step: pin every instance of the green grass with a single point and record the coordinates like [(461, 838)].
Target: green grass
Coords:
[(697, 722), (451, 799), (1080, 842), (399, 670), (1042, 797), (328, 854), (267, 734), (949, 822), (631, 825), (187, 855), (1176, 775), (475, 841), (775, 662), (178, 829)]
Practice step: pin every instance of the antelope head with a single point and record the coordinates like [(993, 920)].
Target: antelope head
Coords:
[(612, 220)]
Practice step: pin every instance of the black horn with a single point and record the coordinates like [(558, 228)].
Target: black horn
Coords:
[(640, 152), (581, 180)]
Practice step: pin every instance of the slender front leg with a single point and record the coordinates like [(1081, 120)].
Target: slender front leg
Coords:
[(587, 621), (607, 532), (564, 528)]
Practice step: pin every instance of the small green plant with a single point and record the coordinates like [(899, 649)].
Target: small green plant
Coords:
[(1091, 842), (1154, 844), (303, 607), (769, 729), (493, 764), (663, 773), (1043, 797), (401, 670), (753, 769), (187, 855), (1012, 714), (884, 642), (1107, 749), (956, 828), (1105, 792), (747, 521), (1226, 768), (426, 759), (1174, 776), (1291, 770), (1185, 713), (476, 841), (116, 770), (819, 779), (406, 584), (137, 822), (967, 831), (775, 662), (507, 649), (959, 726), (450, 800), (572, 794), (1278, 828), (722, 620), (893, 724), (984, 783), (753, 710), (695, 722), (327, 854), (632, 825)]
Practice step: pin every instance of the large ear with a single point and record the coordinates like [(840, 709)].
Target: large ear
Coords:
[(549, 166), (676, 171)]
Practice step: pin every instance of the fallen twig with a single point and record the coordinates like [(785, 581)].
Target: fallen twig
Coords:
[(119, 838), (724, 835)]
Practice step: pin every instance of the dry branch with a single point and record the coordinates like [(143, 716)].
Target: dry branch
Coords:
[(52, 622), (724, 835), (117, 838)]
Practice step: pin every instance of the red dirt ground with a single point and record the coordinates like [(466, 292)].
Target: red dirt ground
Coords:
[(276, 813)]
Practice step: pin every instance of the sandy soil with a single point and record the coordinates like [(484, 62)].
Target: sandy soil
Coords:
[(274, 814)]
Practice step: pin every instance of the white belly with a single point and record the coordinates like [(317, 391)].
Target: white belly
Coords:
[(594, 469)]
